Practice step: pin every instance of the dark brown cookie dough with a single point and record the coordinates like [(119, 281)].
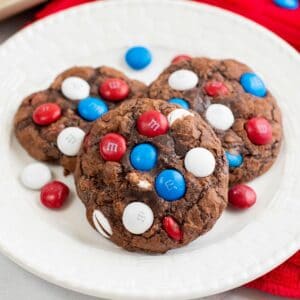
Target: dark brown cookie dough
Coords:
[(219, 83), (115, 193), (40, 141)]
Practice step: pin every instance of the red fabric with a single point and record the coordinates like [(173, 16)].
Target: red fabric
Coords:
[(285, 279)]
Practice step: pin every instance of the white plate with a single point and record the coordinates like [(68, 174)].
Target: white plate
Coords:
[(60, 246)]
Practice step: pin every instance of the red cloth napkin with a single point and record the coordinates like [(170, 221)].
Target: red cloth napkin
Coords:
[(285, 279)]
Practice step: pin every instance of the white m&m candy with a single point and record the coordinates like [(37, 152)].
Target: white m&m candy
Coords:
[(34, 176), (137, 217), (177, 114), (183, 80), (101, 223), (69, 140), (200, 162), (75, 88), (219, 116)]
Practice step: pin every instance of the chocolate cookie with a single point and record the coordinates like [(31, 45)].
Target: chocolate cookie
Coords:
[(235, 103), (152, 177), (51, 124)]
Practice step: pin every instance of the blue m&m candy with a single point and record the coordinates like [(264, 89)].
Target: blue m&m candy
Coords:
[(91, 108), (180, 102), (138, 57), (170, 185), (143, 157), (253, 84), (234, 160), (288, 4)]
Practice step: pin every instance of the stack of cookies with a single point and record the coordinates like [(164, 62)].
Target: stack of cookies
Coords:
[(153, 165)]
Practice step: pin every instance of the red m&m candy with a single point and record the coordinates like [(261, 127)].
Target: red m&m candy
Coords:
[(114, 89), (46, 113), (180, 58), (172, 228), (54, 194), (112, 147), (152, 123), (242, 196), (215, 88), (259, 131)]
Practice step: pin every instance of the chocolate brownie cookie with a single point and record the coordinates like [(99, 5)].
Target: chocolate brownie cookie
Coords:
[(235, 103), (51, 124), (153, 177)]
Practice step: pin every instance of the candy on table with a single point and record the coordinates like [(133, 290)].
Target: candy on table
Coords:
[(138, 57), (181, 102), (69, 140), (137, 217), (242, 196), (92, 108), (46, 113), (54, 194), (180, 57), (35, 175)]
